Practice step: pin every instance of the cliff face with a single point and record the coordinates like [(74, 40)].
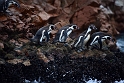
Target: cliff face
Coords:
[(107, 15)]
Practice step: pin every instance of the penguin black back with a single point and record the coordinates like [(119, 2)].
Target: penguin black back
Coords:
[(98, 38)]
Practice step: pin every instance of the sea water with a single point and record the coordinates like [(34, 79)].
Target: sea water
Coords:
[(120, 42)]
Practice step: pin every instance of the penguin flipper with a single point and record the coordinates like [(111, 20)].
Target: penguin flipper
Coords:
[(100, 43), (65, 36), (47, 36)]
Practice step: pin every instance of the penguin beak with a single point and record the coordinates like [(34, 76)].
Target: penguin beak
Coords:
[(15, 3)]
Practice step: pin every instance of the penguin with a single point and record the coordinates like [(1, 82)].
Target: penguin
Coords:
[(64, 32), (5, 4), (43, 34), (98, 40), (81, 41)]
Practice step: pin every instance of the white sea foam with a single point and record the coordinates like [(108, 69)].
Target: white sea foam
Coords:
[(89, 81), (93, 81), (122, 81)]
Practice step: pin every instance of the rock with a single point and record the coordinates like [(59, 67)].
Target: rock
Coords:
[(2, 61), (1, 25), (4, 37), (29, 35), (15, 61), (69, 40), (23, 40), (50, 8), (106, 10), (120, 5), (44, 16), (37, 20), (106, 25), (26, 63), (3, 18), (118, 10), (85, 16), (18, 51), (42, 56), (61, 23), (18, 44), (1, 45), (113, 46)]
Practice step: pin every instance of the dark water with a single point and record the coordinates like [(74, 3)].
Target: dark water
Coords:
[(120, 42)]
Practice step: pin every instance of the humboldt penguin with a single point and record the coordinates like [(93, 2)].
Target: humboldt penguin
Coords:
[(5, 4), (98, 40), (81, 41), (43, 34), (64, 32)]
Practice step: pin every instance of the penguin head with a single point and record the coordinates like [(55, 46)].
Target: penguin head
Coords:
[(12, 2), (75, 27), (72, 27), (107, 37), (51, 27), (92, 27)]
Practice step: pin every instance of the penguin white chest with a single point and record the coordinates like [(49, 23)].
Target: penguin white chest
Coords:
[(87, 39), (69, 32), (61, 36)]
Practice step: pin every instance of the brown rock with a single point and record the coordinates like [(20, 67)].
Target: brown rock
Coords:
[(37, 19), (106, 24), (85, 16), (61, 23), (3, 18), (23, 40), (42, 56), (15, 61), (50, 8), (44, 16), (113, 46), (57, 3)]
